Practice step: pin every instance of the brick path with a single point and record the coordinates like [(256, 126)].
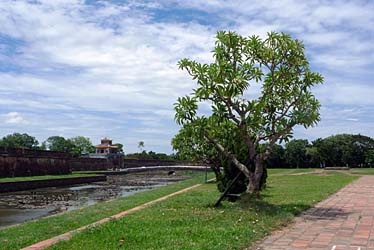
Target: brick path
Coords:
[(345, 220)]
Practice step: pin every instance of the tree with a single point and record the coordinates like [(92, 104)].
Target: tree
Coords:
[(285, 100), (81, 145), (141, 146), (17, 140), (191, 145), (43, 146), (60, 144), (369, 158), (277, 157), (314, 157), (296, 153), (315, 154), (360, 149), (329, 153), (346, 150), (120, 147)]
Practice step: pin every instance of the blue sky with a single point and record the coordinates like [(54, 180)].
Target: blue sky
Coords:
[(108, 68)]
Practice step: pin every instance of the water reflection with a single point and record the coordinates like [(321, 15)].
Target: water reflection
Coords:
[(18, 207)]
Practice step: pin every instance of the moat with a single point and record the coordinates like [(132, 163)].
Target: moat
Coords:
[(18, 207)]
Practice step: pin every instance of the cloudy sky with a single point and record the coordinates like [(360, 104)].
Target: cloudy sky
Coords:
[(108, 68)]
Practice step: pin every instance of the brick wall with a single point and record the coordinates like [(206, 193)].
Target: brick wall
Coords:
[(133, 163), (26, 162), (79, 164), (27, 185)]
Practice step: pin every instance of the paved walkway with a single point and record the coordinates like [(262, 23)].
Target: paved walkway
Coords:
[(345, 220)]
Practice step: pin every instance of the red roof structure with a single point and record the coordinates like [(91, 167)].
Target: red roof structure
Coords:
[(106, 147)]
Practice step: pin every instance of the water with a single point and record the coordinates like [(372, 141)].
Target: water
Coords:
[(18, 207)]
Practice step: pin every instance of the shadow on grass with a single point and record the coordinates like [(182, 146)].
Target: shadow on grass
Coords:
[(308, 212), (264, 207)]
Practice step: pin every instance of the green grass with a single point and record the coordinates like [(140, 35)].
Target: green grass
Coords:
[(34, 231), (287, 171), (43, 177), (189, 221), (291, 170), (362, 171)]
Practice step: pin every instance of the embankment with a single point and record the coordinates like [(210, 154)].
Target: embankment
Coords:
[(33, 184)]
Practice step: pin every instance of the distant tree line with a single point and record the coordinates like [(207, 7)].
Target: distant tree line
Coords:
[(76, 146), (337, 150), (150, 155), (18, 140)]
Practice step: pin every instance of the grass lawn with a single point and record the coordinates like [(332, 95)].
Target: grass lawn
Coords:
[(188, 221), (291, 170), (362, 171), (288, 171), (43, 177), (34, 231)]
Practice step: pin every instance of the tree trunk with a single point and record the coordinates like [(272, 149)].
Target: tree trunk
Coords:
[(256, 178)]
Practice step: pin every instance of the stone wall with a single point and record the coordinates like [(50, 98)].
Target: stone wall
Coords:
[(134, 163), (27, 185), (26, 162), (88, 164), (82, 164)]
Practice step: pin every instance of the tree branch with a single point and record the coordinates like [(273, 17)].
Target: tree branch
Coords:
[(229, 155)]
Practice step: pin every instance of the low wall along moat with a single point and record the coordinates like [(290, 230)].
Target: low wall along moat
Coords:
[(26, 162), (27, 185)]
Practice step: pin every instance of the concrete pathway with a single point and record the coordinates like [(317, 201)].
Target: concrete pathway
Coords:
[(345, 220)]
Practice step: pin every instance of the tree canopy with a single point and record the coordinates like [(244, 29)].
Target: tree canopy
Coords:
[(296, 152), (81, 145), (141, 146), (342, 150), (346, 150), (252, 118), (18, 140), (76, 146), (120, 147), (59, 143)]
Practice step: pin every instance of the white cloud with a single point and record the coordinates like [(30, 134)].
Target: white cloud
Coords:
[(352, 119), (14, 118), (110, 69)]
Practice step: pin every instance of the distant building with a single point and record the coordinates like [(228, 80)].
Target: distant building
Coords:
[(106, 147), (106, 150)]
